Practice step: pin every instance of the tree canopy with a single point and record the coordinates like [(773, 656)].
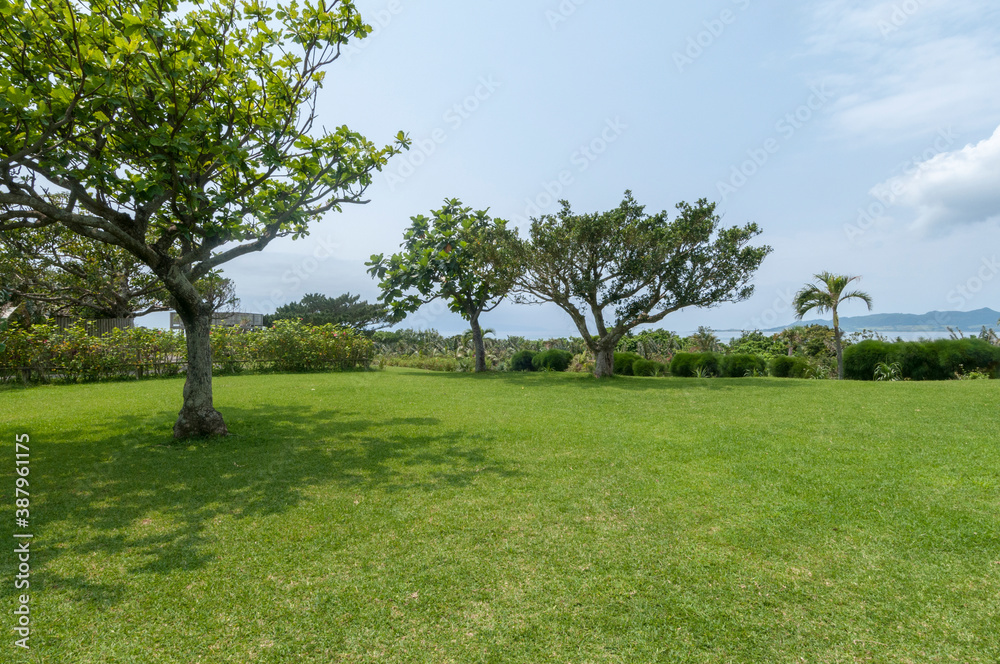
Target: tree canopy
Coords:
[(624, 268), (347, 310), (459, 255), (183, 134)]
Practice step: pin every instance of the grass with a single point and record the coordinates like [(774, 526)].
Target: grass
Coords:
[(406, 516)]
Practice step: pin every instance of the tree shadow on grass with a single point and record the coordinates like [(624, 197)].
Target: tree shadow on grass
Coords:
[(124, 494), (628, 383)]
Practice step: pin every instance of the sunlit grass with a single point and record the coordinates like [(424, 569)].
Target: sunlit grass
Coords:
[(407, 516)]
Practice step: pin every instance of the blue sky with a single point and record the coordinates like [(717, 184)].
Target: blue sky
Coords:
[(861, 136)]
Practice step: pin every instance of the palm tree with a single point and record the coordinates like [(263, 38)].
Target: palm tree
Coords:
[(827, 297)]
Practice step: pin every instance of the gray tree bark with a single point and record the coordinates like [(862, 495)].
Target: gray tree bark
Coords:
[(198, 417), (477, 341)]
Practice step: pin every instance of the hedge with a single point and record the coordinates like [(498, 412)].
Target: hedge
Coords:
[(740, 366), (688, 365), (522, 361), (922, 360), (623, 363), (552, 360), (785, 366), (46, 352), (642, 367)]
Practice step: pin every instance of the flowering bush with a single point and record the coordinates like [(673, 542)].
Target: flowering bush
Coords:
[(47, 352)]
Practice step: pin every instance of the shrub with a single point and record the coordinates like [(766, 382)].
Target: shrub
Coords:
[(642, 367), (552, 360), (922, 360), (789, 367), (689, 365), (918, 360), (623, 363), (523, 361), (739, 366), (861, 360)]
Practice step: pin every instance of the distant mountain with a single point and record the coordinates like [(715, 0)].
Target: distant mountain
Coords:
[(935, 321)]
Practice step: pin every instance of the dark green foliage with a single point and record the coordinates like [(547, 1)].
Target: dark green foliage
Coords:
[(739, 366), (648, 368), (963, 355), (523, 361), (861, 359), (552, 360), (623, 363), (918, 360), (922, 360), (758, 343), (689, 365), (789, 367), (346, 310)]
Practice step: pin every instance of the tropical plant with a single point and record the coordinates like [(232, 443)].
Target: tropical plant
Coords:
[(887, 372), (828, 296)]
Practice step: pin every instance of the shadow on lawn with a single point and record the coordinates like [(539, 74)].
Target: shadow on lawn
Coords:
[(629, 383), (134, 492)]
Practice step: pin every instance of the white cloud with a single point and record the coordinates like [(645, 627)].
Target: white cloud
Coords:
[(902, 67), (951, 188)]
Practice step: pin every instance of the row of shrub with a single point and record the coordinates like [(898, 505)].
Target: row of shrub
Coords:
[(546, 360), (922, 360), (45, 352)]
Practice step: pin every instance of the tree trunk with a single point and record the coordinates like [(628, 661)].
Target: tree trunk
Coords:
[(605, 366), (840, 353), (477, 341), (198, 417)]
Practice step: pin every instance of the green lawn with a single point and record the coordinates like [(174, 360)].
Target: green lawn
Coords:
[(407, 516)]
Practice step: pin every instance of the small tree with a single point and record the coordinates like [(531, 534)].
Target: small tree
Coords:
[(641, 267), (461, 256), (185, 138), (348, 310), (828, 296)]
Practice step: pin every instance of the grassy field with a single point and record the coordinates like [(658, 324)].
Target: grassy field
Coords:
[(406, 516)]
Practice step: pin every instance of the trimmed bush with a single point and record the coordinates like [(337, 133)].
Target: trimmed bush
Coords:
[(552, 360), (522, 361), (860, 360), (789, 367), (623, 363), (922, 360), (643, 367), (739, 366), (688, 365)]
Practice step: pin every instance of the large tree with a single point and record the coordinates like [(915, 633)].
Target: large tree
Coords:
[(624, 268), (185, 137), (69, 275), (348, 310), (827, 295), (459, 255)]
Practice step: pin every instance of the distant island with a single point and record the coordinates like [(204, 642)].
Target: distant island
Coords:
[(934, 321)]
